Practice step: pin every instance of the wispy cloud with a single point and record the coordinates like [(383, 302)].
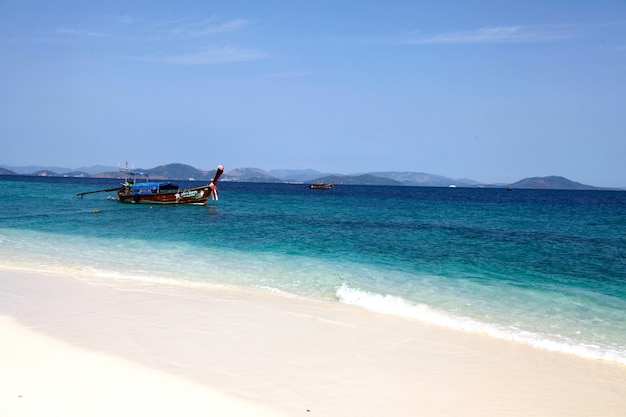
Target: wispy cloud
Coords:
[(192, 29), (291, 74), (179, 41), (490, 35), (229, 26), (210, 55), (81, 33), (197, 42)]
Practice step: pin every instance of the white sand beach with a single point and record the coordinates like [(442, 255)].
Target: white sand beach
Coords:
[(75, 346)]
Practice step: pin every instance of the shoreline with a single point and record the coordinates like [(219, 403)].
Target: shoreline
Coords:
[(279, 355)]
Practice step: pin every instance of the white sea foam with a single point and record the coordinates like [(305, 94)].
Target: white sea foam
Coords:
[(147, 279), (399, 306)]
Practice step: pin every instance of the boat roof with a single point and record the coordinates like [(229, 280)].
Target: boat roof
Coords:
[(151, 185)]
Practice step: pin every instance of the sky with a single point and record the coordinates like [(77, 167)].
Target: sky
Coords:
[(494, 91)]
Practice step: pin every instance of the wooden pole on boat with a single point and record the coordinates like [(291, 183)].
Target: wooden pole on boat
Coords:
[(213, 185), (108, 190), (218, 174)]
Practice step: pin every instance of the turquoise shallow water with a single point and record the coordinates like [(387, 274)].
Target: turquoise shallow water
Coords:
[(544, 268)]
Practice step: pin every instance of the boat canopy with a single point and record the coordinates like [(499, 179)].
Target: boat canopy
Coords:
[(154, 187)]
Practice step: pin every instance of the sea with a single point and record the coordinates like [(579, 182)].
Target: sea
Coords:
[(545, 268)]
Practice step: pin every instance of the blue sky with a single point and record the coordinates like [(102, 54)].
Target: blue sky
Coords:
[(489, 90)]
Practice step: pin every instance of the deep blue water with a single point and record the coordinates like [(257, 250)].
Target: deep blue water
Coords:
[(541, 267)]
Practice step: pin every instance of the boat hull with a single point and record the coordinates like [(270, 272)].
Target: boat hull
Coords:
[(320, 186), (198, 196)]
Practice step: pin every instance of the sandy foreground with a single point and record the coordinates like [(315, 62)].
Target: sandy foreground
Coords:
[(78, 347)]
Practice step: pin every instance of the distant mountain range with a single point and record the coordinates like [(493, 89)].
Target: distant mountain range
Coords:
[(179, 171)]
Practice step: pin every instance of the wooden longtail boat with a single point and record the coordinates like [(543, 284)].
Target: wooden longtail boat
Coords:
[(150, 192), (321, 186)]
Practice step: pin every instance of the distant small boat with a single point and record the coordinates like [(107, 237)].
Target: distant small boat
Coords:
[(321, 186), (149, 192)]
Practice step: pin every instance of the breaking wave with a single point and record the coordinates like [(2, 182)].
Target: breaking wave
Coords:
[(398, 306)]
